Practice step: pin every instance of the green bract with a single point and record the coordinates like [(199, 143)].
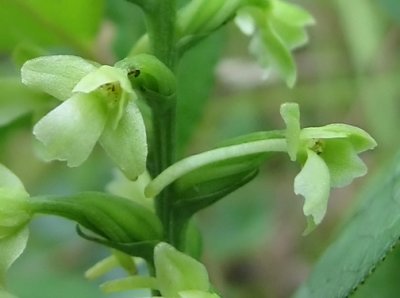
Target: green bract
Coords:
[(14, 217), (329, 158), (99, 106), (276, 28)]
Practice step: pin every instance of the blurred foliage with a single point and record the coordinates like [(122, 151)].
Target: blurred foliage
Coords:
[(349, 72)]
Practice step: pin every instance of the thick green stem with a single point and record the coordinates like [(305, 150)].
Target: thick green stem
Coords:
[(161, 26)]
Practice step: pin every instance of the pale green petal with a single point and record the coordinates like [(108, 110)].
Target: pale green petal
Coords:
[(313, 183), (177, 272), (292, 36), (55, 75), (127, 144), (343, 162), (291, 116), (197, 294), (359, 138), (8, 180), (11, 249), (104, 75), (70, 131), (291, 13), (270, 51), (245, 22)]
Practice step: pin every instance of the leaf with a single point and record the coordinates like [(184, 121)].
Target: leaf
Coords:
[(16, 100), (195, 82), (368, 236), (42, 22)]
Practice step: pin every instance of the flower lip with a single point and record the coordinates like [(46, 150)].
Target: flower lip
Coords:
[(359, 139), (102, 77)]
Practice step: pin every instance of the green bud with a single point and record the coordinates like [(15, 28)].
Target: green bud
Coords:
[(149, 74), (116, 219)]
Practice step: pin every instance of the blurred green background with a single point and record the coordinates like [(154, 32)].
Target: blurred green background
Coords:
[(349, 72)]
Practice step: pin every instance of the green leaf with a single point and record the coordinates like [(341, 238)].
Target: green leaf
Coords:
[(55, 75), (178, 272), (367, 237), (42, 22), (313, 183), (70, 131), (127, 144), (195, 82), (16, 100), (11, 248)]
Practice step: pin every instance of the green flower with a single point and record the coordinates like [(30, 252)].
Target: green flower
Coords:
[(177, 276), (98, 105), (329, 158), (276, 28), (14, 217)]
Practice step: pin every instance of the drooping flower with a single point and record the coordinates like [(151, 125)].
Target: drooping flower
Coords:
[(98, 105), (14, 217), (329, 158), (276, 28)]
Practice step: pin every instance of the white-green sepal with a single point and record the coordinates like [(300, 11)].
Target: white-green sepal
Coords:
[(343, 162), (56, 75), (126, 144), (291, 116), (313, 183), (71, 130)]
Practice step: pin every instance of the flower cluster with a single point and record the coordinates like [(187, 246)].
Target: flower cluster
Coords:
[(98, 104)]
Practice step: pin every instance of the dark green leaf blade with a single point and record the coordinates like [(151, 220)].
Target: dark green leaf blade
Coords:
[(368, 237)]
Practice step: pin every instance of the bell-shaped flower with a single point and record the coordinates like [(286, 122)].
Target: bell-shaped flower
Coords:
[(276, 28), (98, 105), (329, 158), (14, 217)]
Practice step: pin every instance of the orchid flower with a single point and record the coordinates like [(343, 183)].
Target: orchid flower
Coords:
[(329, 158), (276, 28), (98, 104), (14, 217)]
